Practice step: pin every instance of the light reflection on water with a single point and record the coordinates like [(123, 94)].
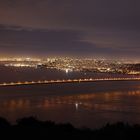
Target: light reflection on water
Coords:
[(86, 106)]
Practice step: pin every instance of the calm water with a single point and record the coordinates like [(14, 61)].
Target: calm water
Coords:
[(82, 104)]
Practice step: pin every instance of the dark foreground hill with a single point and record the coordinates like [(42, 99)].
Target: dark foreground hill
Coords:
[(31, 128)]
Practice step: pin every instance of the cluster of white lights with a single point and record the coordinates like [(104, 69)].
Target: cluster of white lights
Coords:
[(19, 65), (20, 59), (68, 70)]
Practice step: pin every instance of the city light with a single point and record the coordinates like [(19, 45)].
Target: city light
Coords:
[(75, 65)]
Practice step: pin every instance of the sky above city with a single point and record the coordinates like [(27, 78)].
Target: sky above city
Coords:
[(79, 28)]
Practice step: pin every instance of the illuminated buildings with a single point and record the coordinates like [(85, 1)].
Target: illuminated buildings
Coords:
[(71, 65)]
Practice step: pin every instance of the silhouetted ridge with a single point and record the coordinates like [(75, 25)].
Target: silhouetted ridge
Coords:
[(33, 128)]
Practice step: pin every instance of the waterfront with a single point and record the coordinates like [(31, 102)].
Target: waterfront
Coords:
[(82, 104)]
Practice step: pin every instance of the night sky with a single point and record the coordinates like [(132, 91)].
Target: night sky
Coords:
[(79, 28)]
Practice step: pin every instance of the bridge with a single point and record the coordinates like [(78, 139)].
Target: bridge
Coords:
[(67, 81)]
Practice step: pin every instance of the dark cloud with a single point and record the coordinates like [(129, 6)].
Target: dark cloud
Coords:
[(45, 42), (71, 13), (90, 27)]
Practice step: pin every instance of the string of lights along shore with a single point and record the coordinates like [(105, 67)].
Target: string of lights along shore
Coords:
[(67, 81)]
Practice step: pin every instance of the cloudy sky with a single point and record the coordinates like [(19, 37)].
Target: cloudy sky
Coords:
[(80, 28)]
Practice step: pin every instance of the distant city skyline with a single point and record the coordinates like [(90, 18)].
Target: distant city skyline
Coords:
[(75, 28)]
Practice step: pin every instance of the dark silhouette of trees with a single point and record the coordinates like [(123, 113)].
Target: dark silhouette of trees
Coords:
[(32, 128)]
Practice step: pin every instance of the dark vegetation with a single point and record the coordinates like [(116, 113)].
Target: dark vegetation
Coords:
[(31, 128)]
